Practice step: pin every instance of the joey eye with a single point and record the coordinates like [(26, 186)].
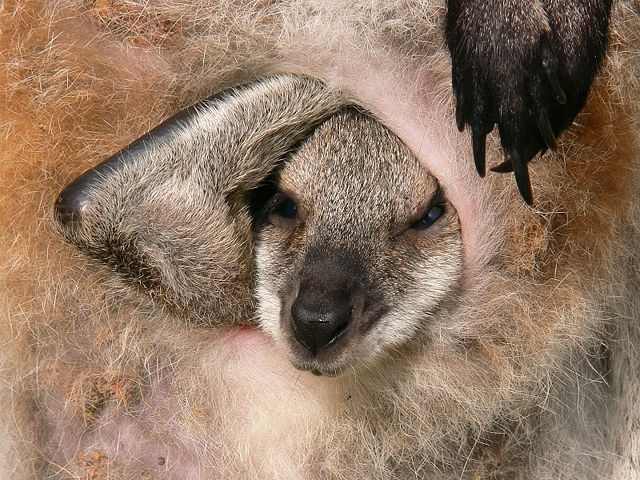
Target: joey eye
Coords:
[(285, 207), (429, 218)]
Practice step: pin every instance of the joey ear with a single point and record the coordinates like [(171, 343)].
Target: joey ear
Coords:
[(80, 194), (168, 214)]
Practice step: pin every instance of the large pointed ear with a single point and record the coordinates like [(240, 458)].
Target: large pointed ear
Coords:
[(168, 214)]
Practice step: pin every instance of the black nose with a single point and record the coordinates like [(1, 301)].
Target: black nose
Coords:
[(319, 318)]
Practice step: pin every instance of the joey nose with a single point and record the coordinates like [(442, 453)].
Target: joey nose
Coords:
[(319, 319)]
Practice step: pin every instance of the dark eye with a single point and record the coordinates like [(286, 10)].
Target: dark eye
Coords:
[(285, 207), (429, 218)]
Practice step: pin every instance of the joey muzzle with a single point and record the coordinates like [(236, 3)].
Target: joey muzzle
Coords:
[(329, 301), (318, 318)]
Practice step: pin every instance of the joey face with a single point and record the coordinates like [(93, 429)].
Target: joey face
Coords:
[(357, 247)]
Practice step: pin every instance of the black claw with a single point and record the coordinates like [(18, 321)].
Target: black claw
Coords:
[(504, 167), (558, 92), (460, 117), (460, 111), (545, 129), (479, 144), (521, 171)]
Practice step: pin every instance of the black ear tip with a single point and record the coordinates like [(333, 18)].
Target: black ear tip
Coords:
[(69, 206), (74, 200), (64, 213), (76, 197), (71, 202)]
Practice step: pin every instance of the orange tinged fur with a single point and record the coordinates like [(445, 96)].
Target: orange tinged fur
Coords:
[(540, 343)]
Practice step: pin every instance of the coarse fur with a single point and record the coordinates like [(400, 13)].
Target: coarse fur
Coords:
[(528, 370), (358, 253)]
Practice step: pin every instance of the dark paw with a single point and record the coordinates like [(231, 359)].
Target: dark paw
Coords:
[(526, 69)]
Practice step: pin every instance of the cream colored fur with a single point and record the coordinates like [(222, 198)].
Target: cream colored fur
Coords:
[(533, 372)]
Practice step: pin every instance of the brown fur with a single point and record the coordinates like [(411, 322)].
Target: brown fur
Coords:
[(533, 373)]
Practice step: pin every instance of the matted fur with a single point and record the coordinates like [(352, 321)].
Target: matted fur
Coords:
[(534, 373)]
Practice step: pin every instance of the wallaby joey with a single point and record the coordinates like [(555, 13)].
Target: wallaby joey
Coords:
[(356, 249)]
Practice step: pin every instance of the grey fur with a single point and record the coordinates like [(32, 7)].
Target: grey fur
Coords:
[(358, 191), (180, 232), (525, 362), (137, 211)]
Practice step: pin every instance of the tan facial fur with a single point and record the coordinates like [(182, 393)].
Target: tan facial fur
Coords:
[(518, 360), (350, 245)]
